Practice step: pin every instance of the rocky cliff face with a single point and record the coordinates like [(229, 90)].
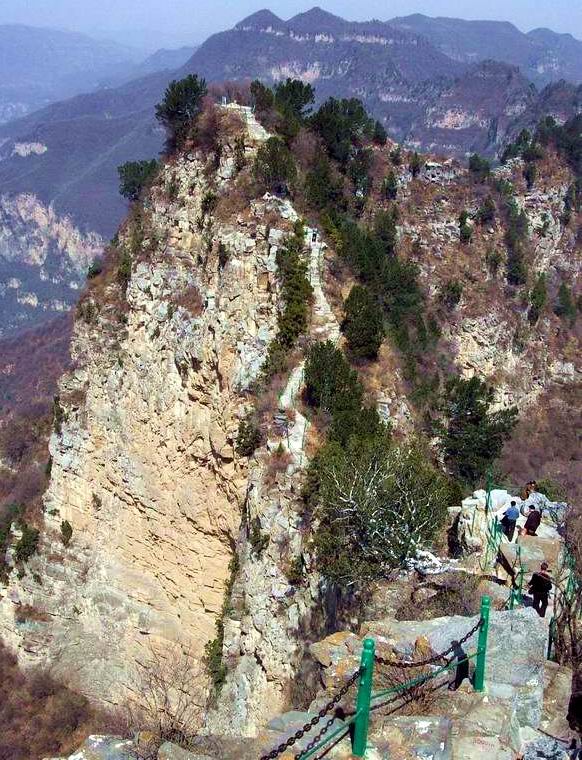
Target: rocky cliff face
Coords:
[(143, 464), (43, 260)]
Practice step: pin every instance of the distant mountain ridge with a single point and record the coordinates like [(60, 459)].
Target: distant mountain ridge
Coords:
[(542, 55), (431, 89), (39, 66)]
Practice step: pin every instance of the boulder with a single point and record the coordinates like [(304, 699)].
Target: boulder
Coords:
[(105, 748), (412, 737), (515, 656), (550, 548), (170, 751), (557, 691), (544, 748)]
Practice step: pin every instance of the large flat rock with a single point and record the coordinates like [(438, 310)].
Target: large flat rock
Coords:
[(515, 656)]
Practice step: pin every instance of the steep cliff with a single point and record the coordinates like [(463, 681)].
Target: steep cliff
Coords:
[(167, 517), (43, 260), (143, 464)]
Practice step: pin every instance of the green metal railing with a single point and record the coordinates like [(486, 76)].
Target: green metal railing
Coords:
[(358, 723), (366, 697)]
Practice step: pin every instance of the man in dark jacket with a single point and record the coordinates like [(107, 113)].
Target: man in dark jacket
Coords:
[(532, 522), (540, 587)]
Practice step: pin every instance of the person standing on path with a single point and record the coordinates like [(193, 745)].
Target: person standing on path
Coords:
[(540, 587), (532, 522), (509, 520)]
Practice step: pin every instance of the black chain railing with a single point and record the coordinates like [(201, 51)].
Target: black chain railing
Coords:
[(431, 660), (317, 738), (325, 710)]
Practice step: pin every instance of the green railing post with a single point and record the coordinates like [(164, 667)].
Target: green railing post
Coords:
[(488, 488), (551, 637), (362, 721), (482, 644)]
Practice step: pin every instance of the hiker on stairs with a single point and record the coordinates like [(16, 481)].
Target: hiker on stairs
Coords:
[(509, 520), (540, 587)]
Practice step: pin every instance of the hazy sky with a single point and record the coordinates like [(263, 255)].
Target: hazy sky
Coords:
[(157, 23)]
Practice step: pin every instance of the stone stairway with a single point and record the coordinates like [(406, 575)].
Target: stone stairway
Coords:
[(324, 326), (525, 695)]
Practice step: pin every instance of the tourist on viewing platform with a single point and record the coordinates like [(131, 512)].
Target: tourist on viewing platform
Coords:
[(540, 587), (509, 520)]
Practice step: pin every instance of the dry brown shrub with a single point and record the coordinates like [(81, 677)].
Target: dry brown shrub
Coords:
[(235, 92), (191, 299), (306, 149), (277, 464), (417, 699), (231, 125), (40, 717), (237, 199), (167, 697), (26, 613), (545, 442)]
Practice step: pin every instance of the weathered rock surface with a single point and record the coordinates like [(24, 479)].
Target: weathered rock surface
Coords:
[(43, 262), (144, 467)]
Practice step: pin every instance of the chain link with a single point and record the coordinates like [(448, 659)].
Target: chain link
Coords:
[(430, 660), (324, 729), (276, 751)]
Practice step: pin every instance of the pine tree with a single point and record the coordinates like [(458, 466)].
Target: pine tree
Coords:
[(390, 186), (363, 324)]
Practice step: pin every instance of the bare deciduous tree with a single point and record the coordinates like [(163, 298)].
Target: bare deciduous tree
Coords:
[(167, 696)]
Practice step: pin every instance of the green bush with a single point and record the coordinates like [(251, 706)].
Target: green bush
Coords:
[(363, 323), (240, 158), (343, 125), (95, 269), (215, 666), (263, 98), (249, 437), (380, 135), (181, 105), (390, 187), (451, 293), (516, 235), (377, 505), (322, 189), (257, 539), (27, 545), (330, 383), (493, 260), (465, 229), (565, 307), (124, 268), (396, 156), (66, 532), (385, 229), (274, 167), (295, 571), (472, 435), (537, 299), (530, 174), (416, 164), (359, 172), (293, 99), (297, 293), (553, 489), (134, 176), (479, 167), (486, 212), (58, 415)]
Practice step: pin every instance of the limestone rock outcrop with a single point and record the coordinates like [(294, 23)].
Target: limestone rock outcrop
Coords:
[(143, 462)]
